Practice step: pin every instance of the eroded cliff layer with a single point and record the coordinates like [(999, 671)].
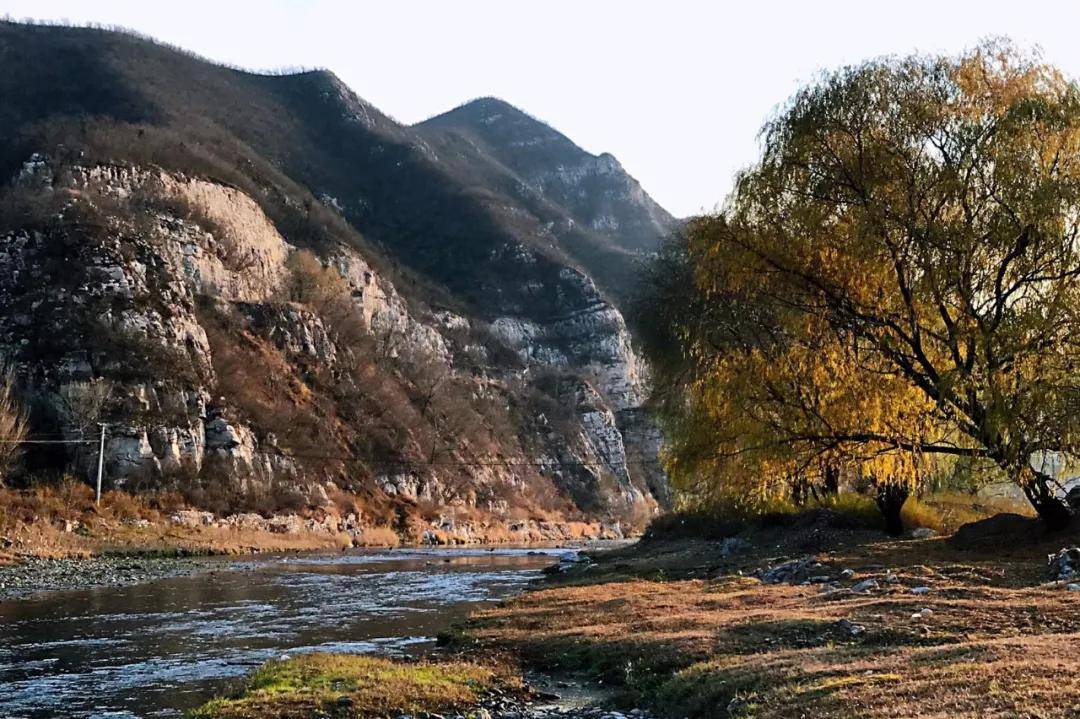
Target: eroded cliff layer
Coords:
[(273, 293)]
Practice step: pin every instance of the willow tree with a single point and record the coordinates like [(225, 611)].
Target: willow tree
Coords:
[(912, 225), (764, 400)]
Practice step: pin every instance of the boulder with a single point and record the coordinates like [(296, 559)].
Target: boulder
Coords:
[(192, 518), (865, 585), (1001, 528), (1072, 498), (1064, 565), (794, 571), (285, 524)]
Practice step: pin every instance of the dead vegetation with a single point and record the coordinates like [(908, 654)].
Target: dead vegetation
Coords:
[(686, 628), (60, 519), (13, 427)]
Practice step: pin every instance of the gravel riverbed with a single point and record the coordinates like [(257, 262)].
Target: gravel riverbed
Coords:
[(33, 575)]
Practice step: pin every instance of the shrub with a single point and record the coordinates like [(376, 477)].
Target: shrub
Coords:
[(13, 426)]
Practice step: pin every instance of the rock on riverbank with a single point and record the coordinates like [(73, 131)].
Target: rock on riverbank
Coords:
[(35, 575)]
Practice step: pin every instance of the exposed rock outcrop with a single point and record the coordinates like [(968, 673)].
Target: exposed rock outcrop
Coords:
[(174, 249), (285, 289)]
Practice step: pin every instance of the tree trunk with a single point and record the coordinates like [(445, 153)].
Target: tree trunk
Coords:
[(831, 481), (890, 500), (799, 492), (1051, 510)]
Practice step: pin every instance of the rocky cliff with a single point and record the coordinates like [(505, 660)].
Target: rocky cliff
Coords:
[(594, 190), (276, 296)]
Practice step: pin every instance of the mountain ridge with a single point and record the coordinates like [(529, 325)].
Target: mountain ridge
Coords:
[(471, 313), (547, 159)]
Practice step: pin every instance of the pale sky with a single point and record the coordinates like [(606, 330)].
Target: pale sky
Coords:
[(677, 90)]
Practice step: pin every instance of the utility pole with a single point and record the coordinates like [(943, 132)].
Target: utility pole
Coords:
[(100, 462)]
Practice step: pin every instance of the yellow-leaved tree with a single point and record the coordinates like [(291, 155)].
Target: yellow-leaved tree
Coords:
[(898, 278)]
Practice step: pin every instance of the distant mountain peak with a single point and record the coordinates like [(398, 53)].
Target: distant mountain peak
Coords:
[(486, 104), (596, 190)]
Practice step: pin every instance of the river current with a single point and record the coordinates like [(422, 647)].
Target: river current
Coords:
[(158, 648)]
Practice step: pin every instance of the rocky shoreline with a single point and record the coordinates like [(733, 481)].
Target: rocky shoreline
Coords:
[(526, 710), (34, 575), (444, 531)]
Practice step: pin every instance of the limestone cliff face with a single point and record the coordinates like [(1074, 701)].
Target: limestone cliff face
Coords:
[(169, 242), (137, 295), (587, 334)]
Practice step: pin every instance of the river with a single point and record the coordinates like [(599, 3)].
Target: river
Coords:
[(158, 648)]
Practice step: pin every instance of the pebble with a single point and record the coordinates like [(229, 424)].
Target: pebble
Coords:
[(33, 574), (865, 585), (920, 590), (502, 706), (528, 712), (851, 628)]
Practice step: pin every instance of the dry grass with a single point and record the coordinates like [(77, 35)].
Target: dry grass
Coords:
[(946, 512), (352, 686), (379, 537), (61, 520), (998, 644)]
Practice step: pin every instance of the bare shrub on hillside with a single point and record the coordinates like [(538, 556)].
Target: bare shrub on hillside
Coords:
[(314, 284), (13, 425), (27, 208), (85, 402)]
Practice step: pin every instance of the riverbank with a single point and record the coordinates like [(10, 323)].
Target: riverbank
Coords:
[(173, 645), (809, 619), (349, 685), (32, 575), (63, 522)]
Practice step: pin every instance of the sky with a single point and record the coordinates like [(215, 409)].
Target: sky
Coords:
[(676, 89)]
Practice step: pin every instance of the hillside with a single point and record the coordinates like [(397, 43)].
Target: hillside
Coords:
[(278, 294), (595, 191)]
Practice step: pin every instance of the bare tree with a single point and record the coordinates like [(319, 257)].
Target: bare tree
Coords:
[(13, 425), (84, 402)]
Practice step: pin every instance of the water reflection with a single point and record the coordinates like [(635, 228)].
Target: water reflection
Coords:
[(153, 650)]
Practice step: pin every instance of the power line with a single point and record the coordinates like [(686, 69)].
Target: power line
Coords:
[(504, 463), (509, 462), (46, 441)]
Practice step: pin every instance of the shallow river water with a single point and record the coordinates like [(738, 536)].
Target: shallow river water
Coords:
[(156, 649)]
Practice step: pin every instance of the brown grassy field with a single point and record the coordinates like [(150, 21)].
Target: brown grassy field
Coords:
[(677, 626)]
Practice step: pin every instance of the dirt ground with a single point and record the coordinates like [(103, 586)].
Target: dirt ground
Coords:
[(687, 629)]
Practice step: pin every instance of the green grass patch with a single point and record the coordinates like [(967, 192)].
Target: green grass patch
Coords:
[(346, 685), (711, 689)]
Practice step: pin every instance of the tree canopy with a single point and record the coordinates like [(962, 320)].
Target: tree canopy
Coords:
[(898, 278)]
